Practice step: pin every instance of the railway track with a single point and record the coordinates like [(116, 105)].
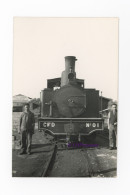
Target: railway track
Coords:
[(49, 163), (93, 165), (82, 162), (57, 160), (82, 159), (88, 156), (90, 171), (49, 166)]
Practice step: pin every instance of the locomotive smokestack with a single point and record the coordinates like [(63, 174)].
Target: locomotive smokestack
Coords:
[(70, 63), (69, 74)]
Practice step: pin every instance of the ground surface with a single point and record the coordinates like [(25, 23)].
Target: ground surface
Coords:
[(80, 162), (31, 165), (84, 163)]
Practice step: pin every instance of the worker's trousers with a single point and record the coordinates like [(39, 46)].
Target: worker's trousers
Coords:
[(26, 140), (113, 136)]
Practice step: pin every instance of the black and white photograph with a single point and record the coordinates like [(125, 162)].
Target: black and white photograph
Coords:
[(65, 97), (65, 71)]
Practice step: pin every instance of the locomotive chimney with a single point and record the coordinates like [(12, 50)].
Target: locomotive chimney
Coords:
[(70, 63), (69, 74)]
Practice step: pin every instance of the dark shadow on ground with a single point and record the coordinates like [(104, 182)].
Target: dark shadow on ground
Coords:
[(107, 171), (40, 145)]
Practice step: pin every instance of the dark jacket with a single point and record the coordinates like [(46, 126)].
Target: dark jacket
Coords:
[(27, 122), (112, 117)]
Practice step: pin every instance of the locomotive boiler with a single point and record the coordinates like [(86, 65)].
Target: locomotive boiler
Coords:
[(68, 109)]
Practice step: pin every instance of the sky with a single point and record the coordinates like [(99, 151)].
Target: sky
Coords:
[(40, 45)]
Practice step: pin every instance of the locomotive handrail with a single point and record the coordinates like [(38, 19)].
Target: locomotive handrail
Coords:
[(104, 110)]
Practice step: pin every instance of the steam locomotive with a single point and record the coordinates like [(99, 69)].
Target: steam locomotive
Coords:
[(68, 109)]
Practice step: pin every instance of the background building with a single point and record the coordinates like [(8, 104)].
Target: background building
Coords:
[(18, 104)]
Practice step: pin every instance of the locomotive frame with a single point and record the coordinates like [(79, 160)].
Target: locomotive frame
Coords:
[(70, 109)]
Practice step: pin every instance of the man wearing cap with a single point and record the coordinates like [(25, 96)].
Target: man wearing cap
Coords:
[(26, 128), (112, 125)]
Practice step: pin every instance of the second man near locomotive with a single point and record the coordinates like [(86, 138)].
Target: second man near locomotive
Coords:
[(113, 127)]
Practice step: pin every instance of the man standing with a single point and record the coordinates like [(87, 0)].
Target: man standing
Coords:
[(26, 128), (112, 116)]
